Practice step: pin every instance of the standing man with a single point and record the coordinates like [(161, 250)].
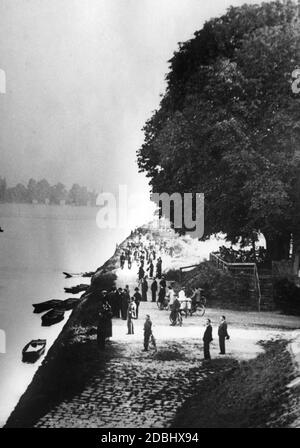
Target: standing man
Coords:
[(154, 288), (122, 260), (207, 338), (137, 299), (223, 334), (104, 328), (158, 268), (147, 332), (141, 274), (131, 315), (125, 299), (144, 289), (118, 298), (150, 268)]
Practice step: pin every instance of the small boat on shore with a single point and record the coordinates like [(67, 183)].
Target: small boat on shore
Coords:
[(80, 274), (77, 289), (53, 317), (33, 350), (45, 306)]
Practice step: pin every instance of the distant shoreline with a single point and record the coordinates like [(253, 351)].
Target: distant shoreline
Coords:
[(51, 211)]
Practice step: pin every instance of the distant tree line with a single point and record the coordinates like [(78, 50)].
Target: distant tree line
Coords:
[(42, 192)]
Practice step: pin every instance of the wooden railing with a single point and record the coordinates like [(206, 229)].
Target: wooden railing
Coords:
[(248, 268)]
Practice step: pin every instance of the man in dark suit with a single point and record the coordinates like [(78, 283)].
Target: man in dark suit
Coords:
[(144, 289), (147, 332), (137, 299), (223, 334), (207, 338), (154, 288)]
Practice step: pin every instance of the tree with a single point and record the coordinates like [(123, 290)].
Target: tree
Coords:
[(78, 195), (32, 190), (17, 194), (43, 190), (2, 189), (58, 193), (228, 125)]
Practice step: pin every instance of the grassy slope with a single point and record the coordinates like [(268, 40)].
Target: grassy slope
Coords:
[(253, 394)]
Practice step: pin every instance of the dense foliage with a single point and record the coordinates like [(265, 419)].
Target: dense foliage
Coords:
[(287, 296), (231, 255), (228, 125)]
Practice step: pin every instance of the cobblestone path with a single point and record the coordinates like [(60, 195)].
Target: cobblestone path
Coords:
[(134, 389)]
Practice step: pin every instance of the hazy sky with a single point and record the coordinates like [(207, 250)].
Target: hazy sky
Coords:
[(82, 78)]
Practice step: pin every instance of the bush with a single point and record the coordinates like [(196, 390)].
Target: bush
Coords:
[(221, 288), (287, 296), (173, 275)]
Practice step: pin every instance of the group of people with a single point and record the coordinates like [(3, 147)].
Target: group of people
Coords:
[(144, 251), (117, 303), (105, 315)]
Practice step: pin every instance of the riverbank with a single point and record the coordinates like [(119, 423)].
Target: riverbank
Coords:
[(78, 386)]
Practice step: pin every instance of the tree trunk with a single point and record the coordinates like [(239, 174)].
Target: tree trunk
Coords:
[(278, 247)]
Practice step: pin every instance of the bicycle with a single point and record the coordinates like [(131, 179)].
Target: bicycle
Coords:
[(198, 308)]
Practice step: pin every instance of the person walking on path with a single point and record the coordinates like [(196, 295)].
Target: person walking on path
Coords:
[(158, 267), (150, 269), (207, 338), (170, 296), (161, 297), (223, 334), (141, 274), (147, 332), (122, 260), (154, 288), (104, 328), (131, 314), (137, 299), (144, 289), (162, 293), (129, 259)]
